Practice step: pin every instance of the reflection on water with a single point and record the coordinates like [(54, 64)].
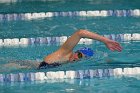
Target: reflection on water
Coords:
[(102, 85)]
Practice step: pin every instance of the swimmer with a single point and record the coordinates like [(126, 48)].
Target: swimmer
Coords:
[(22, 64), (65, 53)]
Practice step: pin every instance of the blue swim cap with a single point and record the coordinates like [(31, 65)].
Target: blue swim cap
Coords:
[(88, 52)]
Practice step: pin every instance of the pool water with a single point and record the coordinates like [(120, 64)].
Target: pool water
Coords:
[(106, 85), (56, 27)]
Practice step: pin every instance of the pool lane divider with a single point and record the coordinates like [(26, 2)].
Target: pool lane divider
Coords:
[(62, 39), (90, 13), (71, 74)]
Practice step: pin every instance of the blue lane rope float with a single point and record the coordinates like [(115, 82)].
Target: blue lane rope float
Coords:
[(62, 39), (79, 74), (94, 13)]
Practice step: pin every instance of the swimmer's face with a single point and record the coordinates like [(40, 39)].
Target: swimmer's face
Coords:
[(77, 56)]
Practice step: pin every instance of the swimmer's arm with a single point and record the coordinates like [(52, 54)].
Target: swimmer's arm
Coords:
[(75, 38)]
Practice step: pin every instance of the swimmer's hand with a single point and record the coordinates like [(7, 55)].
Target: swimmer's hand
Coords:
[(113, 45)]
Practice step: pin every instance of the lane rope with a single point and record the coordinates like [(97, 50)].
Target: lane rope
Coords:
[(91, 13), (71, 74), (62, 39)]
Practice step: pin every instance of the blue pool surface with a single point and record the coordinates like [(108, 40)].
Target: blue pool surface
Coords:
[(58, 26)]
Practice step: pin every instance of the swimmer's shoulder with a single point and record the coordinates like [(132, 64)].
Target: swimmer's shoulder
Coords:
[(57, 57)]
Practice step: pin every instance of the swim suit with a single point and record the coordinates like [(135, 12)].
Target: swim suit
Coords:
[(44, 65)]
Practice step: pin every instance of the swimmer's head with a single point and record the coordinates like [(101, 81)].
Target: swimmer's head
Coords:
[(81, 53), (88, 52)]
